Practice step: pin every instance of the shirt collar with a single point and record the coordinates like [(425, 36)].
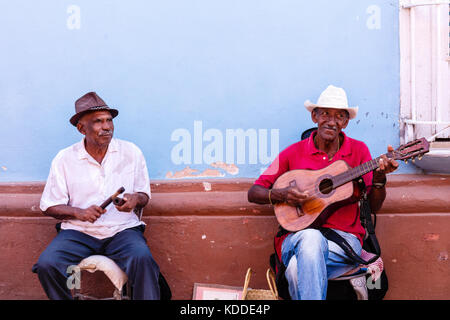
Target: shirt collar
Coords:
[(83, 154), (343, 150)]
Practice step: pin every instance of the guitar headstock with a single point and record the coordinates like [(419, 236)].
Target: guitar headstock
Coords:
[(413, 149)]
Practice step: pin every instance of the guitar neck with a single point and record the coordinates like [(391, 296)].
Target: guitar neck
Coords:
[(357, 172)]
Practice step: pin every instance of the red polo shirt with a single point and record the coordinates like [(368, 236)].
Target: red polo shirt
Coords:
[(304, 155)]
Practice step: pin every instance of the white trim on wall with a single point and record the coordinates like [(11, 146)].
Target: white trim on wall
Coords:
[(424, 69)]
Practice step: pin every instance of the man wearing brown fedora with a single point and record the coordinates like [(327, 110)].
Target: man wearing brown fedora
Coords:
[(81, 178)]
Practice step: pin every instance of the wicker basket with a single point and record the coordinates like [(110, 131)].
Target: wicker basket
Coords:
[(260, 294)]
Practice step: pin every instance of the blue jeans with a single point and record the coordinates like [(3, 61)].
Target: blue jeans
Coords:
[(311, 260), (127, 248)]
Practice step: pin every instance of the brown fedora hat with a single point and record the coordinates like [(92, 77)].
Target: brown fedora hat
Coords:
[(88, 103)]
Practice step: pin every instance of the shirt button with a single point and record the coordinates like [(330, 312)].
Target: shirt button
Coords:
[(324, 158)]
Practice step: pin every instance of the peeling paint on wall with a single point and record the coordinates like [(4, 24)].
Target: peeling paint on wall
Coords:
[(207, 173), (194, 173), (229, 168), (431, 237)]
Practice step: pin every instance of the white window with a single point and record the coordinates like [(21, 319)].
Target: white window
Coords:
[(425, 70), (424, 28)]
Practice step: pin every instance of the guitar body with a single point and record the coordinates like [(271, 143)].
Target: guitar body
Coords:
[(325, 198), (332, 187)]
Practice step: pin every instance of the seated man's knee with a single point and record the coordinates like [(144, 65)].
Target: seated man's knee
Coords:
[(312, 242), (311, 237), (45, 264), (141, 255), (307, 242)]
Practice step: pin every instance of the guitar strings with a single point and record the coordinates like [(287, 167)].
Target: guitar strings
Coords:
[(373, 162), (315, 193)]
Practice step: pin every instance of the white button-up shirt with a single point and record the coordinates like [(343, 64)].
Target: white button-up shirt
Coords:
[(77, 180)]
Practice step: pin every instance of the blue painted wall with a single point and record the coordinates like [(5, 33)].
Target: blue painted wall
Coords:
[(227, 64)]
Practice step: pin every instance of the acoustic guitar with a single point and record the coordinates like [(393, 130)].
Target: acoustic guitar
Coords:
[(332, 187)]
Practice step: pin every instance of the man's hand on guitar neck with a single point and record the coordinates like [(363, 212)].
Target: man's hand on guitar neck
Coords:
[(385, 166)]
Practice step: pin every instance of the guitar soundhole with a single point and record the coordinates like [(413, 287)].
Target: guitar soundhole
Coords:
[(326, 186)]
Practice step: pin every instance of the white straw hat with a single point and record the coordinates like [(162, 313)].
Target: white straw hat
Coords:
[(332, 97)]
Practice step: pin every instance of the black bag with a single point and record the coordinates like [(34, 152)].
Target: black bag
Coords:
[(279, 268), (376, 290), (164, 289), (341, 290)]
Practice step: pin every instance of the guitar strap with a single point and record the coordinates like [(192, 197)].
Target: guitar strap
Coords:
[(332, 235), (366, 221)]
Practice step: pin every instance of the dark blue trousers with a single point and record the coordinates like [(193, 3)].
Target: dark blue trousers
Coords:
[(127, 248)]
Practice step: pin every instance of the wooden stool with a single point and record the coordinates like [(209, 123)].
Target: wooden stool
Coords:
[(111, 270)]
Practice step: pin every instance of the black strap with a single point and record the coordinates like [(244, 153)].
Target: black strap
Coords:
[(366, 221), (279, 268), (332, 235)]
